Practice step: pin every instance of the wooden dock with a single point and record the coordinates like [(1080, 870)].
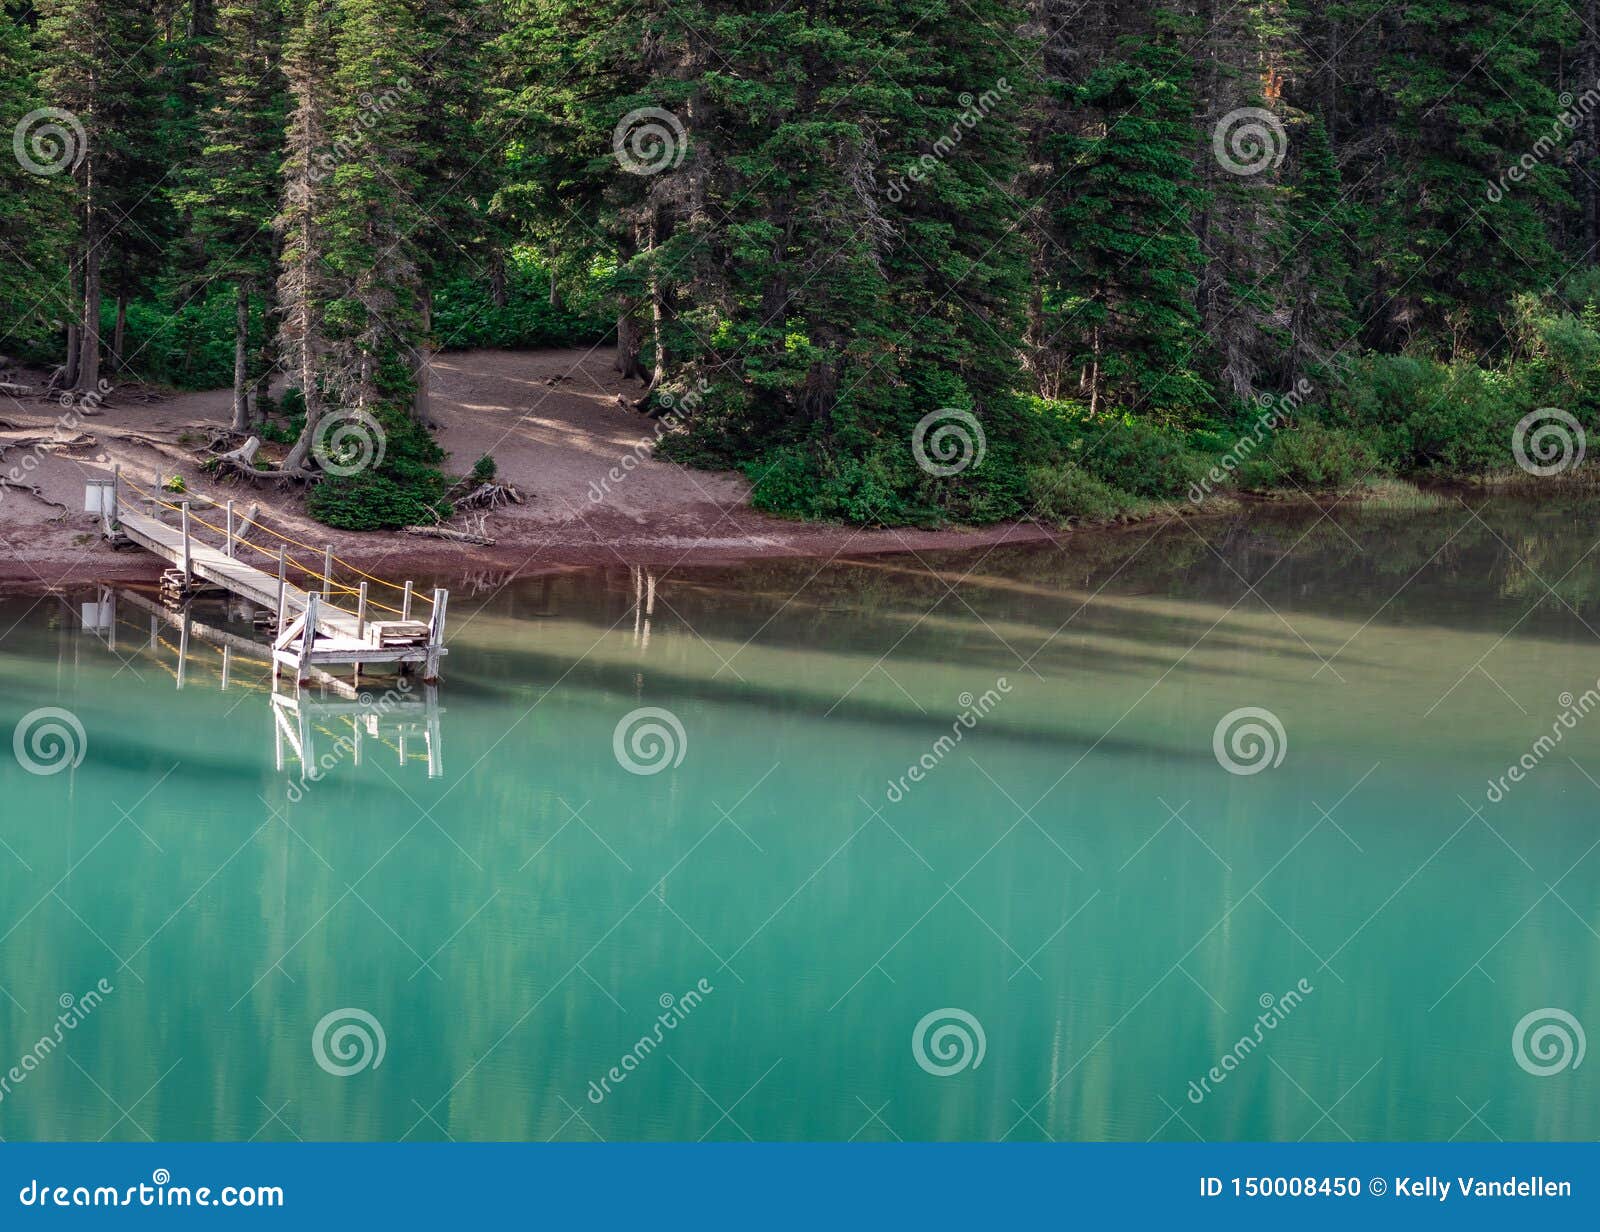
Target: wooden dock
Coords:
[(314, 630)]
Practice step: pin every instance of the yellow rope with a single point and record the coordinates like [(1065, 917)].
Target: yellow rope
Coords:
[(331, 585)]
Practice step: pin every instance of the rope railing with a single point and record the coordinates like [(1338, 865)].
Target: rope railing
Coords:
[(328, 583)]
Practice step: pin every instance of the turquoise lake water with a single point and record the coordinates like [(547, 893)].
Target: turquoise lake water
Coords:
[(954, 847)]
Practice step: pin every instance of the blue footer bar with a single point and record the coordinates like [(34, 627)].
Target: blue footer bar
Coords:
[(812, 1186)]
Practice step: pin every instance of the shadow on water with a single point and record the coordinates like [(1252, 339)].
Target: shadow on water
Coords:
[(1078, 871)]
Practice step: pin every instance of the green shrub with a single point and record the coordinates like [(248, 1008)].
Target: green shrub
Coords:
[(809, 481), (1070, 493), (1311, 456), (485, 469), (1426, 417), (371, 501), (1138, 458), (465, 314)]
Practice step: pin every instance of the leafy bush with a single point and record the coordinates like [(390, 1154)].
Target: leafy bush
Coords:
[(1070, 493), (1137, 457), (1427, 417), (810, 481), (485, 469), (883, 485), (189, 346), (1311, 456), (466, 316), (371, 501)]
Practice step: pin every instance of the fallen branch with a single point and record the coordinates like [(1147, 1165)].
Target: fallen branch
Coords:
[(444, 532)]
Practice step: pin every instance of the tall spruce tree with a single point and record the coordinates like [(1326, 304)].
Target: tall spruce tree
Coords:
[(1120, 301), (231, 192), (32, 243)]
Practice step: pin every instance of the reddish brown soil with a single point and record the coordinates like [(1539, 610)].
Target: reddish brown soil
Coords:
[(551, 419)]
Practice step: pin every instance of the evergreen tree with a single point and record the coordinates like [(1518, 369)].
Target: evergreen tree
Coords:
[(231, 193), (305, 284), (1121, 299), (32, 244), (104, 68), (1462, 100)]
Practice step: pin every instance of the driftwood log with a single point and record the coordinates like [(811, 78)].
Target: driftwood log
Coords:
[(455, 536)]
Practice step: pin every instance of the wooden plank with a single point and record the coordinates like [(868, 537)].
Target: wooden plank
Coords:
[(339, 637)]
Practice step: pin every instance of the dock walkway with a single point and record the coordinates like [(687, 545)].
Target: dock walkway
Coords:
[(336, 635)]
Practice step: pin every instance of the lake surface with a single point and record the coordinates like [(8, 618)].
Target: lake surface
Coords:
[(987, 787)]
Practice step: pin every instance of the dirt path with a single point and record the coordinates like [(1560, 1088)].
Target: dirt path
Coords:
[(551, 419)]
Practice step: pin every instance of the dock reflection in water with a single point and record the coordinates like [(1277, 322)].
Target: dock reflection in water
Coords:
[(319, 727)]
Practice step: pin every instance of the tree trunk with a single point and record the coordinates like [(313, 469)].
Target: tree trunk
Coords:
[(89, 340), (497, 278), (630, 339), (69, 376), (267, 357), (1589, 142), (555, 294), (119, 334), (658, 313), (421, 403), (1094, 374), (241, 337)]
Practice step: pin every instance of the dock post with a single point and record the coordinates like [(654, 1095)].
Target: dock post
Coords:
[(361, 615), (430, 671), (308, 637), (188, 560), (405, 604), (229, 548), (183, 650), (282, 554), (435, 739), (327, 572), (116, 487)]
